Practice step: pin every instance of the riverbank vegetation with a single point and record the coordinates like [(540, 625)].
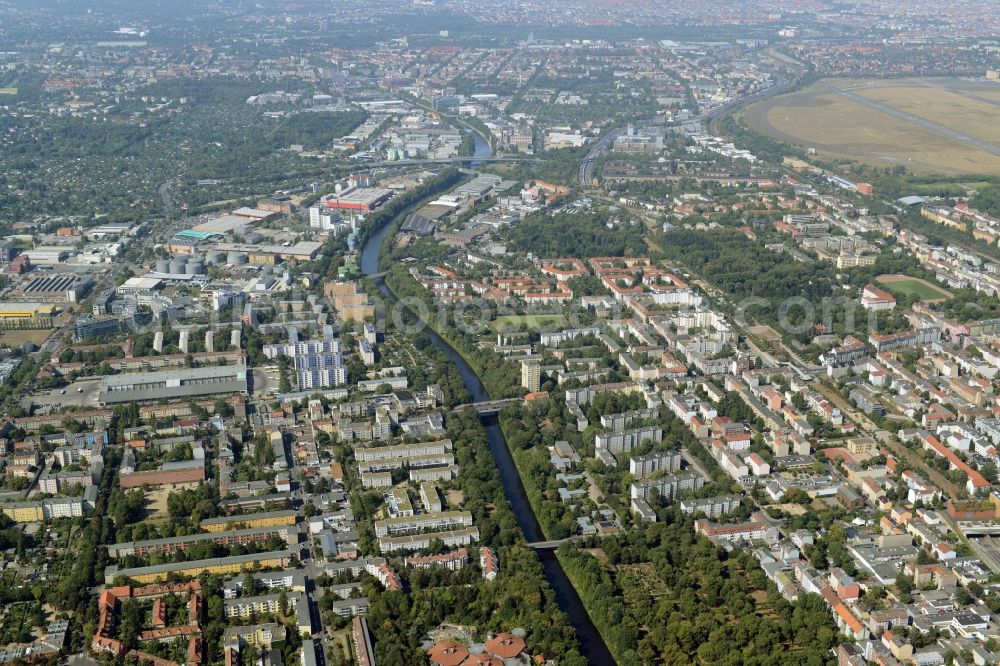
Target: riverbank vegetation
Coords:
[(501, 378), (519, 597), (393, 211)]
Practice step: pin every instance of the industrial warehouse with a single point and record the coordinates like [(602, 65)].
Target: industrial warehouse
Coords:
[(26, 315), (56, 288), (174, 384)]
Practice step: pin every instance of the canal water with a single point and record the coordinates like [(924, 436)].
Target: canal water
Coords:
[(591, 644)]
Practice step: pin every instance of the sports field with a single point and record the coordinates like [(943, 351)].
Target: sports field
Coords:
[(911, 286), (533, 322), (947, 126)]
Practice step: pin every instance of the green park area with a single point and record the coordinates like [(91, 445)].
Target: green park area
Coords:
[(534, 321)]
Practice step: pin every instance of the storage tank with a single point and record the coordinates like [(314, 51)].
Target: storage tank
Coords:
[(195, 267), (162, 265), (215, 258), (235, 258), (177, 266)]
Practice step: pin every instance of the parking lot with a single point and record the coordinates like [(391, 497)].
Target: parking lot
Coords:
[(82, 393), (265, 379)]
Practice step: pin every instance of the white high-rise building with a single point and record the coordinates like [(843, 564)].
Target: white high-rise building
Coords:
[(318, 363), (531, 376), (325, 219)]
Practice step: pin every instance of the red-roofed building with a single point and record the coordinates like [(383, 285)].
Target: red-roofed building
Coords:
[(758, 466), (488, 562), (756, 528), (737, 442), (505, 646), (846, 621), (20, 264), (772, 399), (835, 452), (943, 551), (159, 613), (845, 586), (564, 269), (975, 482), (384, 573), (194, 651), (108, 607), (452, 561), (873, 298), (937, 413), (447, 653)]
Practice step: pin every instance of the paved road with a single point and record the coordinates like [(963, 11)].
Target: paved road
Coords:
[(690, 459), (783, 82), (920, 122), (168, 202), (454, 160), (709, 118), (586, 175)]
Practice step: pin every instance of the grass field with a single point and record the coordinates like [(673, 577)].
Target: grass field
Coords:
[(765, 332), (993, 95), (955, 186), (21, 336), (838, 127), (910, 286), (533, 322), (950, 109)]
